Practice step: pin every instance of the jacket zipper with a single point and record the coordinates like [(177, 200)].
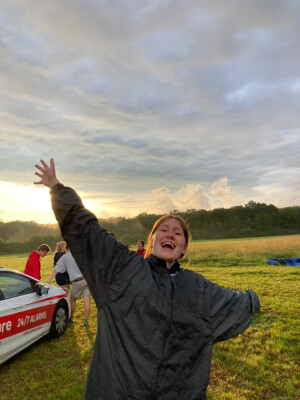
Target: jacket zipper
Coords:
[(165, 337)]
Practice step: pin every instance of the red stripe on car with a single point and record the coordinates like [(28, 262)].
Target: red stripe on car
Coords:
[(60, 296), (22, 321)]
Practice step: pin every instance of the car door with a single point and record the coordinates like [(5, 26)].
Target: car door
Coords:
[(5, 329), (29, 314)]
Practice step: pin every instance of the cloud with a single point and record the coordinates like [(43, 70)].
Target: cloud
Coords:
[(190, 196), (161, 200), (224, 195), (169, 96)]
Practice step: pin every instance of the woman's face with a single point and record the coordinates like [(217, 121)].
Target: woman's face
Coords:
[(63, 248), (140, 245), (168, 241)]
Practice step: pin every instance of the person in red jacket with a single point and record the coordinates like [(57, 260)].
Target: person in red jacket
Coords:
[(140, 248), (33, 264)]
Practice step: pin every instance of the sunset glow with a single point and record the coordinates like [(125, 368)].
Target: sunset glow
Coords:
[(149, 106), (25, 203)]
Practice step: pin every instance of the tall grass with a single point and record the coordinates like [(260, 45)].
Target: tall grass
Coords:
[(242, 252), (260, 364)]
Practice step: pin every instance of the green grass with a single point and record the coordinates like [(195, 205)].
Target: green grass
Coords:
[(260, 364)]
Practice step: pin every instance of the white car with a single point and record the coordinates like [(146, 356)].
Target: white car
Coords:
[(29, 310)]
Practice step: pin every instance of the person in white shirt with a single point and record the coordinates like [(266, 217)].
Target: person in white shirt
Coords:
[(79, 285)]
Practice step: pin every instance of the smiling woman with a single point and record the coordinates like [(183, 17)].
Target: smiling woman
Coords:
[(24, 203), (158, 321)]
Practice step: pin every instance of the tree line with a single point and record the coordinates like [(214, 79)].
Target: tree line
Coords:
[(18, 237), (251, 220)]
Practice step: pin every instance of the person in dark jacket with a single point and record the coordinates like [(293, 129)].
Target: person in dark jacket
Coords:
[(158, 321), (62, 278), (60, 250)]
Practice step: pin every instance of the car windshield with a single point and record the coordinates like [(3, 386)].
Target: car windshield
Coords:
[(13, 285)]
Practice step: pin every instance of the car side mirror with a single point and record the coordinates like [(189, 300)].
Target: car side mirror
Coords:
[(41, 289)]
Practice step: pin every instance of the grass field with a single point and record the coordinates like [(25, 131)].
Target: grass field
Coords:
[(261, 364)]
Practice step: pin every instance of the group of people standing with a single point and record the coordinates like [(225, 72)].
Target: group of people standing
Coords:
[(66, 273)]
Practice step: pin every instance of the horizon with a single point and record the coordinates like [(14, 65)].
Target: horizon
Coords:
[(112, 217)]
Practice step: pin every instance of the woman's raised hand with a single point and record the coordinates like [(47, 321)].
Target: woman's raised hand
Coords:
[(47, 174)]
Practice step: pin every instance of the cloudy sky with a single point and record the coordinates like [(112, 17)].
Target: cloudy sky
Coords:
[(150, 106)]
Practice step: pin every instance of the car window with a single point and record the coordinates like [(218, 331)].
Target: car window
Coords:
[(14, 285)]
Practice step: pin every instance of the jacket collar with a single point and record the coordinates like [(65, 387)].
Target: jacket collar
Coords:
[(159, 264)]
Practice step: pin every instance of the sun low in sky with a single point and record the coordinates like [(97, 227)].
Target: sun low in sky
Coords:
[(29, 203), (25, 203), (32, 203)]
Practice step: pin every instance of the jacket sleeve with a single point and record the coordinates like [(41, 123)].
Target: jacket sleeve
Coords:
[(230, 312), (97, 253)]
